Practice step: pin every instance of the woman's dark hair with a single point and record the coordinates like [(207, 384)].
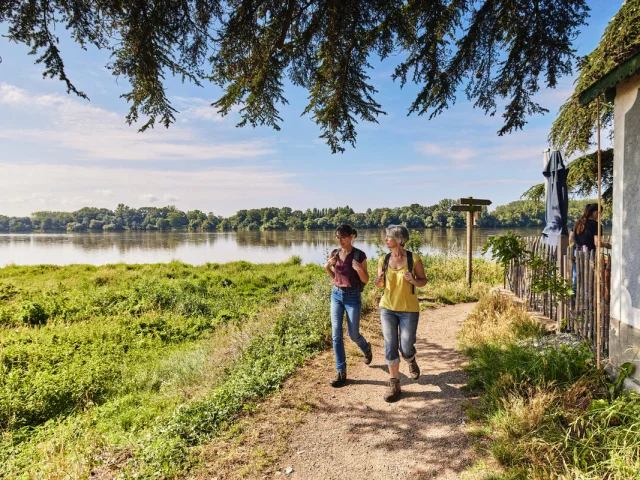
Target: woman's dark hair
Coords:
[(589, 208), (345, 230)]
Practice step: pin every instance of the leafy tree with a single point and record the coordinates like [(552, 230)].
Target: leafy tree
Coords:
[(575, 126), (582, 178), (163, 224), (495, 49)]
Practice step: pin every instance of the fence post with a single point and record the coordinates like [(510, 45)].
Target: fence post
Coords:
[(561, 251)]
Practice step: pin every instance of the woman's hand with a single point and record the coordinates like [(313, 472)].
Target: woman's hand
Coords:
[(356, 266), (379, 281), (408, 276), (332, 261)]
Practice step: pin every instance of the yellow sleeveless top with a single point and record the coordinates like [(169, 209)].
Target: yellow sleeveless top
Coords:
[(397, 294)]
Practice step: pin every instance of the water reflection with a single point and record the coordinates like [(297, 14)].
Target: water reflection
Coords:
[(218, 247)]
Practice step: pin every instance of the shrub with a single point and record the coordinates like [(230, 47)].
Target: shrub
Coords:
[(32, 313)]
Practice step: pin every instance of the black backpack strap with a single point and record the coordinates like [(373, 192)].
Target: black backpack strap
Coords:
[(410, 268), (385, 264), (356, 254)]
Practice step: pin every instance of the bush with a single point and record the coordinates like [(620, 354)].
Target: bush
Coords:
[(32, 313), (546, 412)]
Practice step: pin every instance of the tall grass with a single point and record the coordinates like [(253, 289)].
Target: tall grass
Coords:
[(126, 368), (118, 348), (546, 413)]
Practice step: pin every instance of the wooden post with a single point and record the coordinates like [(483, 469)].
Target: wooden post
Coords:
[(470, 205), (598, 248), (561, 251), (469, 245)]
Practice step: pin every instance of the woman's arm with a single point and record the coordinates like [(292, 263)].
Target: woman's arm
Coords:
[(331, 263), (361, 269), (379, 280)]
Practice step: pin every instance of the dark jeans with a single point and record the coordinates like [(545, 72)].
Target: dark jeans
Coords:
[(349, 302)]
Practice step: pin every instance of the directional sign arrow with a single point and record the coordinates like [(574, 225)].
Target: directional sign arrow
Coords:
[(466, 208), (474, 201)]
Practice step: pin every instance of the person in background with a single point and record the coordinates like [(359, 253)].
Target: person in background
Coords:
[(584, 235), (585, 232), (399, 307), (347, 266)]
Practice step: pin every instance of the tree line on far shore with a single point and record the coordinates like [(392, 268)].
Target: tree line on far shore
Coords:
[(521, 213)]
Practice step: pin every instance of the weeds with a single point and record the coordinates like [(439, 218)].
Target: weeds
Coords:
[(129, 367), (546, 414)]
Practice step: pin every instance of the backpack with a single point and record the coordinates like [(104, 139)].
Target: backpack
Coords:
[(385, 265), (357, 255)]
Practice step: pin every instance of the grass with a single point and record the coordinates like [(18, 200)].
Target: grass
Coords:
[(129, 369), (545, 413)]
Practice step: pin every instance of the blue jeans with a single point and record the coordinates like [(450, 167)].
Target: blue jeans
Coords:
[(399, 331), (348, 301)]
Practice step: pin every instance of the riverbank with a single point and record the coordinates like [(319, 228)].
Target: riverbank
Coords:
[(134, 366)]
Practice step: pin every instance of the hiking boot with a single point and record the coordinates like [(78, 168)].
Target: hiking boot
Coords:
[(368, 356), (393, 393), (414, 369), (339, 380)]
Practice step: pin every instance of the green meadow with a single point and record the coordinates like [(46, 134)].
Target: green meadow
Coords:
[(127, 368)]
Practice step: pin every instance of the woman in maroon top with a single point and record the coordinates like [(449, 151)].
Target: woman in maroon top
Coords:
[(347, 266)]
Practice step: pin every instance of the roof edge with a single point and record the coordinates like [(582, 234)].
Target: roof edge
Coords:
[(608, 82)]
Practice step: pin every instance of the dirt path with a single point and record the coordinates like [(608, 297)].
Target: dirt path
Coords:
[(354, 434)]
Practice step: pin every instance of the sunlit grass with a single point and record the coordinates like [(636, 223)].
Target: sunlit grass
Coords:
[(545, 413)]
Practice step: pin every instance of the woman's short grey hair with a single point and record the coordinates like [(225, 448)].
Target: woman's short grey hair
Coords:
[(398, 232)]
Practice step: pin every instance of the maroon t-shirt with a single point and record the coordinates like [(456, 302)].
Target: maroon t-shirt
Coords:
[(346, 276)]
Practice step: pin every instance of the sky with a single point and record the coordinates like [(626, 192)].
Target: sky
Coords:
[(61, 152)]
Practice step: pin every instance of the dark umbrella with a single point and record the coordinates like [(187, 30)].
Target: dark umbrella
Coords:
[(557, 199)]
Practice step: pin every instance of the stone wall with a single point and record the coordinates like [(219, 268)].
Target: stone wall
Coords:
[(624, 335)]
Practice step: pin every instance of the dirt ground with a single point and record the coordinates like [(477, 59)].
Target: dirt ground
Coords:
[(355, 434), (309, 430)]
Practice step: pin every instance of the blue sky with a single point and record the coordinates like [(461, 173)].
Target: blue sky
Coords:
[(60, 152)]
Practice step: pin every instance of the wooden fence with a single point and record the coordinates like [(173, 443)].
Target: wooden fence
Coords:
[(577, 314)]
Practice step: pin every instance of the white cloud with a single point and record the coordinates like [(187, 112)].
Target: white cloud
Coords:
[(459, 156), (94, 133), (195, 108), (68, 187), (148, 197), (409, 168), (502, 181), (10, 94), (104, 192)]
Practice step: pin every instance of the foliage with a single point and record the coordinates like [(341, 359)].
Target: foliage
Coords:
[(415, 242), (414, 216), (129, 344), (143, 363), (545, 412), (505, 248), (99, 319), (494, 49), (545, 276), (582, 178), (529, 213), (575, 126)]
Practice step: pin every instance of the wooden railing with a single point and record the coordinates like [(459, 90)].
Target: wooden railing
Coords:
[(577, 314)]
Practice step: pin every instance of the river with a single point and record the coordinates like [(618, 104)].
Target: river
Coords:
[(217, 247)]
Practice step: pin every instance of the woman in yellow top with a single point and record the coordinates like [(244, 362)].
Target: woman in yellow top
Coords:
[(399, 308)]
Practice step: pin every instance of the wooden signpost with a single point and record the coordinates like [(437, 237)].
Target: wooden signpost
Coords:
[(470, 205)]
